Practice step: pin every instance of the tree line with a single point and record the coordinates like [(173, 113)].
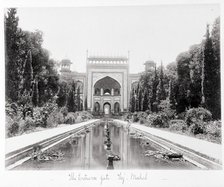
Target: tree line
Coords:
[(192, 81), (31, 77), (69, 96)]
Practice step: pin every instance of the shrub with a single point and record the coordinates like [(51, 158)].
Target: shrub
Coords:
[(164, 106), (148, 112), (213, 128), (38, 116), (70, 118), (196, 119), (55, 118), (197, 128), (27, 124), (196, 114), (64, 111), (158, 120), (79, 119), (142, 115), (178, 125), (11, 109), (86, 115), (127, 116), (12, 127), (60, 118), (142, 120), (181, 115), (135, 117)]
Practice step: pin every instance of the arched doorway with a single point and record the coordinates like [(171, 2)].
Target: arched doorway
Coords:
[(116, 108), (106, 108), (97, 108)]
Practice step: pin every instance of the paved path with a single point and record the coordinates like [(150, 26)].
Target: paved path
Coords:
[(19, 142), (210, 149)]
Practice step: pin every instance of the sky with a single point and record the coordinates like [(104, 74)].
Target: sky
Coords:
[(156, 33)]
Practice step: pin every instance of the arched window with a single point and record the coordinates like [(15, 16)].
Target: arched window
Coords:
[(97, 107), (97, 91), (117, 91), (107, 92)]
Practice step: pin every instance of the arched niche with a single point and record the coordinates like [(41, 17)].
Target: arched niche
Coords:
[(107, 84), (116, 108)]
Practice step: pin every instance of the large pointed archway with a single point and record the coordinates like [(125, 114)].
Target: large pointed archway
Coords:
[(107, 86)]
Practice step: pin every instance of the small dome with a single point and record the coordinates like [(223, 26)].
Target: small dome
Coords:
[(150, 63), (66, 62)]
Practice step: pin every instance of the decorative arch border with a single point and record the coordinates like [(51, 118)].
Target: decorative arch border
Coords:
[(115, 76)]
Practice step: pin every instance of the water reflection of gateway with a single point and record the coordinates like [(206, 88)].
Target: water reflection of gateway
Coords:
[(106, 85), (93, 152)]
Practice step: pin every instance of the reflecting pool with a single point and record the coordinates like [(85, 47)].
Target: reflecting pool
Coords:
[(106, 146)]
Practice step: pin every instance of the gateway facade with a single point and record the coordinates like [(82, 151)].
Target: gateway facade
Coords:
[(106, 85)]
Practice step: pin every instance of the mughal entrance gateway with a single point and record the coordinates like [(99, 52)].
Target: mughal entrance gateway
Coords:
[(105, 86)]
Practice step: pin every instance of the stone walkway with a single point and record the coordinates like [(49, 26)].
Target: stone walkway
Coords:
[(209, 149), (19, 142)]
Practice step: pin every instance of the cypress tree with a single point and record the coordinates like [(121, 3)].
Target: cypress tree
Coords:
[(137, 98), (62, 94), (35, 93), (70, 102), (215, 36), (161, 89), (140, 97), (28, 74), (85, 104), (78, 100), (132, 101), (209, 73), (145, 103), (13, 39), (183, 82), (153, 99)]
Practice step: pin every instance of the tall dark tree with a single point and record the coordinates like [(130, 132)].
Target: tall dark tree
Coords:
[(154, 98), (145, 102), (195, 65), (13, 42), (132, 101), (172, 98), (62, 94), (146, 81), (35, 93), (28, 74), (43, 68), (140, 97), (137, 106), (161, 89), (78, 100), (85, 104), (215, 36), (210, 75), (183, 84), (71, 101)]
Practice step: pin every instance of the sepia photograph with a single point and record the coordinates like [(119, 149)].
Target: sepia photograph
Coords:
[(113, 88)]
